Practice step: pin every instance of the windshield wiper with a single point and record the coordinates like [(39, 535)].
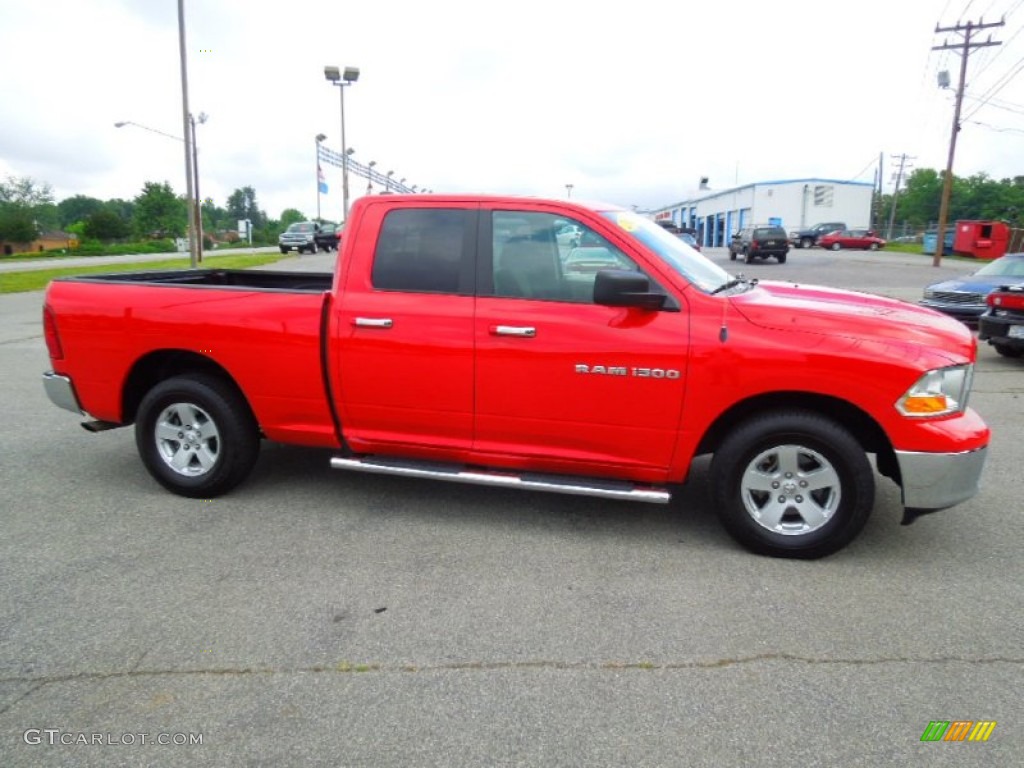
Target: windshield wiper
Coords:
[(738, 280)]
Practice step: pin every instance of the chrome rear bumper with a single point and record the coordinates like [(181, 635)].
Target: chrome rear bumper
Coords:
[(61, 392)]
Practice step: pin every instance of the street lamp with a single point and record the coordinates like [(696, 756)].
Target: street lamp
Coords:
[(195, 220), (319, 174), (568, 190), (123, 123), (387, 181), (342, 78), (369, 177)]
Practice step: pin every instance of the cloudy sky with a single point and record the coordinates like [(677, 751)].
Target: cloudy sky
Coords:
[(629, 102)]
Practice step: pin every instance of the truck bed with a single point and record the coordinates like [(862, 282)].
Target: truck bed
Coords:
[(243, 279)]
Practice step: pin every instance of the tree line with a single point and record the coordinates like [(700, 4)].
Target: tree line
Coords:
[(976, 197), (28, 209)]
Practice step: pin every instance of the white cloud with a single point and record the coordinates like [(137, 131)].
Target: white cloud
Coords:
[(629, 103)]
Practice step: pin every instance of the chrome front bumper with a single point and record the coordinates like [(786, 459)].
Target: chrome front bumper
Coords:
[(61, 392), (933, 481)]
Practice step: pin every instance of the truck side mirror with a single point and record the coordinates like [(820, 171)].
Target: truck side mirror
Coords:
[(624, 288)]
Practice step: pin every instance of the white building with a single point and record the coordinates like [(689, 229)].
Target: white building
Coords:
[(792, 204)]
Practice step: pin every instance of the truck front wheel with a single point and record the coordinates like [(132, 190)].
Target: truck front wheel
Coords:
[(196, 435), (792, 484)]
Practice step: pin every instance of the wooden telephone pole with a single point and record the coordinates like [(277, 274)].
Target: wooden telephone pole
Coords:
[(964, 49), (896, 192)]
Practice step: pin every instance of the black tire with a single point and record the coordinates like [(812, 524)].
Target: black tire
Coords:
[(780, 453), (782, 258), (283, 249), (1007, 351), (732, 255), (214, 451), (836, 247), (806, 242), (873, 247), (748, 257)]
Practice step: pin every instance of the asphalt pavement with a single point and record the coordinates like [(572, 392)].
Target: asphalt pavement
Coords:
[(314, 617)]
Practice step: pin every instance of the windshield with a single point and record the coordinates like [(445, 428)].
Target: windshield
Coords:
[(301, 226), (696, 268), (1004, 267)]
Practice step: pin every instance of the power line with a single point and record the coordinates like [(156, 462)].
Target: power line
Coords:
[(986, 64), (994, 128), (860, 173), (996, 87)]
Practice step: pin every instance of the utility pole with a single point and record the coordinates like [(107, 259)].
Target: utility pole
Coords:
[(896, 193), (876, 214), (964, 49)]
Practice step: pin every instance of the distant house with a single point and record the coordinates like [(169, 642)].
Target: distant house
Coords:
[(47, 241)]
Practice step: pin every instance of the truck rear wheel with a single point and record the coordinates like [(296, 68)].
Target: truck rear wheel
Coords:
[(196, 435), (792, 484)]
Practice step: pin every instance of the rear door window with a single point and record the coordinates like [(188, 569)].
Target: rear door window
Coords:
[(424, 250)]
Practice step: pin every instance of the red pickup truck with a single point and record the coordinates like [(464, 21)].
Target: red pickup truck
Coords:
[(451, 343)]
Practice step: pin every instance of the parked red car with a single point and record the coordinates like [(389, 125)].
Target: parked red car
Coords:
[(861, 239)]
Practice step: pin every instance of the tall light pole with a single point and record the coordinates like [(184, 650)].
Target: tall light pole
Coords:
[(185, 116), (319, 174), (342, 78), (568, 190), (195, 186)]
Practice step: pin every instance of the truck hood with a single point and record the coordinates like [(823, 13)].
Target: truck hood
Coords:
[(835, 312)]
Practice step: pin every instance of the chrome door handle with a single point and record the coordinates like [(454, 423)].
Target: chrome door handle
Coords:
[(513, 330), (372, 322)]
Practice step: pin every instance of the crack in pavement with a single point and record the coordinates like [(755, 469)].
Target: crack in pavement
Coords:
[(344, 667), (21, 338)]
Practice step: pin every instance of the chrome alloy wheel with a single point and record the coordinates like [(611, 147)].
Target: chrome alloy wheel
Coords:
[(187, 439), (790, 490)]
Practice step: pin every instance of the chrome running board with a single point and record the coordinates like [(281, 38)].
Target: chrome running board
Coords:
[(453, 473)]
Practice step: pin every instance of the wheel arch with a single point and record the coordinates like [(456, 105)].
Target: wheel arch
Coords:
[(867, 432), (160, 365)]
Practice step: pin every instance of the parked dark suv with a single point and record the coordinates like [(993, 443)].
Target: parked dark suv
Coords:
[(759, 243)]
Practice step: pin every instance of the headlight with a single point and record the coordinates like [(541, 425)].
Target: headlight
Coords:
[(941, 392)]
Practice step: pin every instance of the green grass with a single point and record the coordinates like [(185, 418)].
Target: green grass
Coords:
[(37, 279), (904, 247)]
